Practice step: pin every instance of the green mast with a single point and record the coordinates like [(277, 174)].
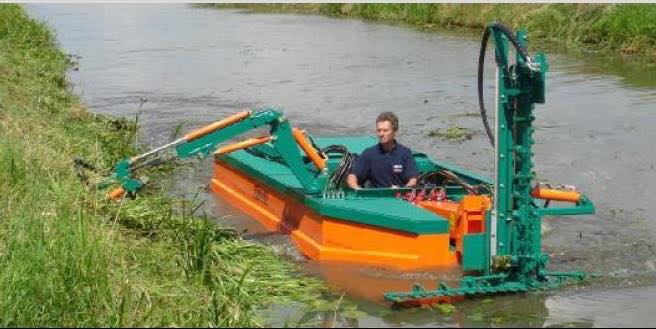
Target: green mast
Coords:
[(517, 242)]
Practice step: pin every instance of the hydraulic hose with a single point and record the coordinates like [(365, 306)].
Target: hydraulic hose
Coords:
[(481, 64)]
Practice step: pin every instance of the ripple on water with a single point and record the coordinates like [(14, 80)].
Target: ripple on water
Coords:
[(333, 77)]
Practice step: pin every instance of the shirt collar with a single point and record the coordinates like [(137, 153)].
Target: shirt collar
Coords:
[(382, 150)]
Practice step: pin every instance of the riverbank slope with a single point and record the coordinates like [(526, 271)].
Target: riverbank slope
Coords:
[(69, 257), (621, 29)]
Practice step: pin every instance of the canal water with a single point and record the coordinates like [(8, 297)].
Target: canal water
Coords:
[(333, 76)]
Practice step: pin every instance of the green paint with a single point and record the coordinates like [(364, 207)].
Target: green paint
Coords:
[(473, 259)]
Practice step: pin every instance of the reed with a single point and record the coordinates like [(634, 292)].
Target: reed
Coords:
[(609, 28)]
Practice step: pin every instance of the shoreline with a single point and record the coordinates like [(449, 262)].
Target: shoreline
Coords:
[(70, 257), (624, 30)]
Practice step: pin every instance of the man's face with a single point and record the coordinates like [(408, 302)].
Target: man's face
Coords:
[(385, 132)]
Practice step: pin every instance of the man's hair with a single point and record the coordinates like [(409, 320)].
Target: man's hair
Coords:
[(391, 117)]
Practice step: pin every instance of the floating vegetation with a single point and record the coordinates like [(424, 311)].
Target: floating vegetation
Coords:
[(445, 308), (452, 134)]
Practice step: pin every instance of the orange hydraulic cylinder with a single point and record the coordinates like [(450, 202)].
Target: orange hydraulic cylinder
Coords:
[(318, 161), (216, 125), (117, 193), (242, 145), (556, 195)]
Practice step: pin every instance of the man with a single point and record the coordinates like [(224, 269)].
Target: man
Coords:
[(387, 164)]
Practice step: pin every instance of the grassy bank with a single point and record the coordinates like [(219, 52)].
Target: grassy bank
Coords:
[(609, 28), (68, 257)]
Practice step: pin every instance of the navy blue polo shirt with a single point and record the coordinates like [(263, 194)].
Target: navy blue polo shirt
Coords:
[(384, 169)]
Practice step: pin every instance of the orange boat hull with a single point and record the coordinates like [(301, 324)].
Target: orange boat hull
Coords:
[(324, 238)]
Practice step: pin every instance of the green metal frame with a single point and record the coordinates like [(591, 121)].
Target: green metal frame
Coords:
[(514, 261), (283, 142)]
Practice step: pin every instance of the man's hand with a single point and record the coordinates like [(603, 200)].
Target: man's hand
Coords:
[(352, 182)]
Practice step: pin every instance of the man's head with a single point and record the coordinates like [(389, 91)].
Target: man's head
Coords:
[(387, 124)]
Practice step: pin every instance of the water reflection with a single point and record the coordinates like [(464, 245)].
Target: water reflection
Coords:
[(633, 71)]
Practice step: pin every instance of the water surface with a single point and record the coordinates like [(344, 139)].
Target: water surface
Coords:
[(333, 76)]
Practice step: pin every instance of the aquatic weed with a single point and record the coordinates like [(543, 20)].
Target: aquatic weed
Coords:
[(452, 134)]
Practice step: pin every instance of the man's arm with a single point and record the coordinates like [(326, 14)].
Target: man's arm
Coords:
[(411, 169), (352, 182), (358, 172)]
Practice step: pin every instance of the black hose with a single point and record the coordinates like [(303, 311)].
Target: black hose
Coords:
[(448, 176), (481, 64), (339, 175)]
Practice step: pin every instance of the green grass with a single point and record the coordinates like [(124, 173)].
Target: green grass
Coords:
[(69, 257), (609, 28)]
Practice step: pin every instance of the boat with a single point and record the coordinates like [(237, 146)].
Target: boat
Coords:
[(371, 226)]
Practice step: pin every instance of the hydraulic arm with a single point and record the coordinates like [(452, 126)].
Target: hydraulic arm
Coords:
[(513, 260), (287, 141)]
